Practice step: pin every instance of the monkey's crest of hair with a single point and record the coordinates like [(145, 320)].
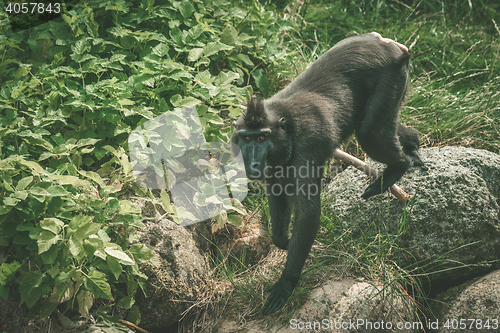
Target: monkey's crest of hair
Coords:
[(255, 116)]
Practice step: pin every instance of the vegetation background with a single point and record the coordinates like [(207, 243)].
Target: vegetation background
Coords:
[(72, 89)]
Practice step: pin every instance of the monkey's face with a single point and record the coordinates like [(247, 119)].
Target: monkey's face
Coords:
[(261, 148), (254, 145)]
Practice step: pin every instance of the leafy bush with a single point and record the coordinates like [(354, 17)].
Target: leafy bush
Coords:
[(72, 90)]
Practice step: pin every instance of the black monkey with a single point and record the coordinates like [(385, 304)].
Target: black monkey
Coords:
[(358, 85)]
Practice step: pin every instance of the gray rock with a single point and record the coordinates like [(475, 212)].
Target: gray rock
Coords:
[(477, 304), (453, 217), (181, 277), (342, 306)]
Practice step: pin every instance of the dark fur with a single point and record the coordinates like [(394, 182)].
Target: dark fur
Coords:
[(356, 86)]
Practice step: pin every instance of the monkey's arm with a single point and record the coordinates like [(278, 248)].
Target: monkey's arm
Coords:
[(307, 210), (371, 172)]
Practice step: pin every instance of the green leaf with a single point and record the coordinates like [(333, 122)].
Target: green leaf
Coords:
[(36, 190), (114, 266), (85, 301), (180, 102), (21, 185), (29, 285), (245, 59), (45, 240), (4, 292), (86, 230), (165, 199), (96, 282), (177, 37), (65, 321), (46, 308), (235, 220), (141, 252), (229, 35), (195, 54), (126, 302), (63, 282), (260, 80), (75, 246), (5, 209), (121, 256), (186, 9), (92, 175), (127, 207), (214, 47), (52, 224), (134, 315), (79, 220), (7, 270), (49, 257), (184, 214), (161, 50)]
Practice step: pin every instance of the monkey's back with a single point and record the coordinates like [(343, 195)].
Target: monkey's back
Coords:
[(338, 81)]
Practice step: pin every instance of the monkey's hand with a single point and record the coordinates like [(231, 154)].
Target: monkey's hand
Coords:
[(280, 293)]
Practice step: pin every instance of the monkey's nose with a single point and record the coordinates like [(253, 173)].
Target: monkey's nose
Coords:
[(253, 171)]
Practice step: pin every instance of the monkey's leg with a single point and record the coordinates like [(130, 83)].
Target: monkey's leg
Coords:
[(377, 136), (384, 147), (280, 212), (307, 213)]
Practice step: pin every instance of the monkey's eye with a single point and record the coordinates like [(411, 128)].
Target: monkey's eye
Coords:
[(248, 138), (261, 138)]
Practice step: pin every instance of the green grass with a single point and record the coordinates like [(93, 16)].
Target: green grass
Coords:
[(455, 72)]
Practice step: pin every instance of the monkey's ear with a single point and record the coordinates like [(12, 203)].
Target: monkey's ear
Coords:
[(234, 123), (282, 123)]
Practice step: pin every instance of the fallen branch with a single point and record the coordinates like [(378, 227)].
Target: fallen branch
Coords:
[(370, 172)]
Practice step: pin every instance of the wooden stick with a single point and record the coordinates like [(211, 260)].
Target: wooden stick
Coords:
[(370, 172)]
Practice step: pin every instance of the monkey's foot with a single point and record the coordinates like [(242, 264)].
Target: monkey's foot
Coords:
[(373, 189), (390, 176), (280, 293)]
